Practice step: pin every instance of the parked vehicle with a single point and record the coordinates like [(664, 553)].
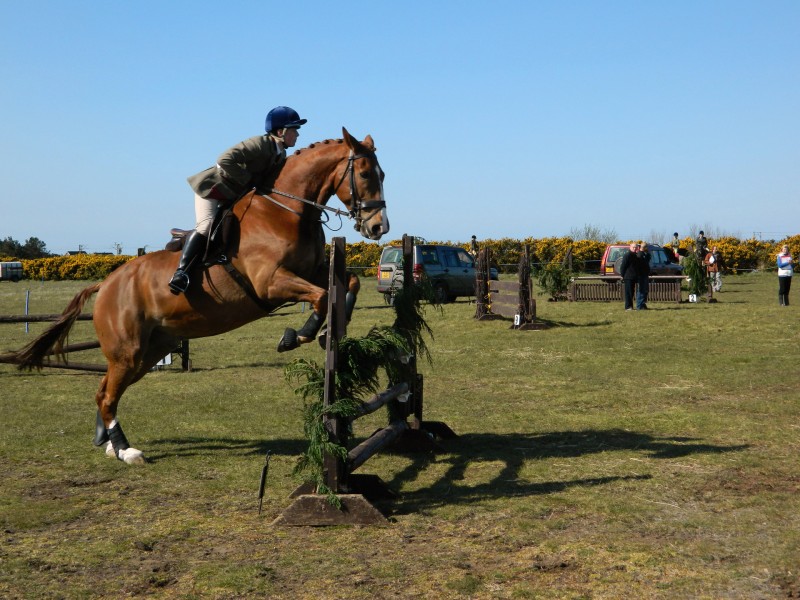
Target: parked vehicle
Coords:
[(11, 271), (451, 270), (660, 263)]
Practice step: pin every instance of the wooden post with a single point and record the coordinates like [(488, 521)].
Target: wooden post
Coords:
[(408, 281), (335, 472), (482, 283)]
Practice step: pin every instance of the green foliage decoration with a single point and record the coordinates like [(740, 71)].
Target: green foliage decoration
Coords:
[(390, 350), (693, 268), (554, 279)]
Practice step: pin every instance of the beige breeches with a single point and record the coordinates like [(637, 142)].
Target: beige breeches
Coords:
[(204, 211)]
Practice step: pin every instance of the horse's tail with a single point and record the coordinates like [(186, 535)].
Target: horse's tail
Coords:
[(53, 339)]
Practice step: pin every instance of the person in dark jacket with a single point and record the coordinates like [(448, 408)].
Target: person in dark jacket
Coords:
[(701, 246), (644, 277), (629, 269), (239, 169)]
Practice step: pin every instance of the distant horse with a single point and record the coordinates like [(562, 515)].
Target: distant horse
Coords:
[(277, 258)]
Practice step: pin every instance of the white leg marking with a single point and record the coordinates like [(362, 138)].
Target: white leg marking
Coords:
[(132, 456)]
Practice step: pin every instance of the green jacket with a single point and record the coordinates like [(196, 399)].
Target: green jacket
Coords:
[(250, 164)]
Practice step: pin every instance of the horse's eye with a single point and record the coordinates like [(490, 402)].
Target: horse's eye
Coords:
[(364, 175)]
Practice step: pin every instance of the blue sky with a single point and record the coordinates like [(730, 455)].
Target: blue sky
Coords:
[(503, 119)]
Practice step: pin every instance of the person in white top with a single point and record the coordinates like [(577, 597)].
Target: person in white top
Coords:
[(785, 271)]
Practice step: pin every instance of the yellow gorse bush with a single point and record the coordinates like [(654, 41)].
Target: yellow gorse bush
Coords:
[(737, 255), (82, 266)]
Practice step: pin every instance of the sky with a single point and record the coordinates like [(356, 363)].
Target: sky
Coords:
[(495, 119)]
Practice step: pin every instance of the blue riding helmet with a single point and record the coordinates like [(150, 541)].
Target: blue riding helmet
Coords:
[(283, 116)]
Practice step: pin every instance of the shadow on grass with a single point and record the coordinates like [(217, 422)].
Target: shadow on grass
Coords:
[(512, 450), (459, 454)]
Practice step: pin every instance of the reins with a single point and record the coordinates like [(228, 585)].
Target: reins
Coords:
[(357, 205)]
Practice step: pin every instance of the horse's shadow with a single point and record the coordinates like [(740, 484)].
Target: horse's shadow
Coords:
[(508, 451)]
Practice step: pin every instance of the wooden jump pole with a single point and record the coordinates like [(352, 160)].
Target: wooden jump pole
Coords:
[(38, 318), (335, 473)]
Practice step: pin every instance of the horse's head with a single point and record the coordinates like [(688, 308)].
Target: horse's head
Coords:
[(360, 188)]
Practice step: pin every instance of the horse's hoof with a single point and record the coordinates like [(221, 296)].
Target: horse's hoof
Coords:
[(132, 456), (323, 338), (288, 341)]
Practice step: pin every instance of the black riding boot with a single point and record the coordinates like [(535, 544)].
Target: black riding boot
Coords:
[(192, 248)]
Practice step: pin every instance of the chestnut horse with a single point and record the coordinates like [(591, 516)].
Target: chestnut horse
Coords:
[(279, 257)]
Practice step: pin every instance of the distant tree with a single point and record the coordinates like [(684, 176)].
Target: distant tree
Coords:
[(10, 247), (32, 248)]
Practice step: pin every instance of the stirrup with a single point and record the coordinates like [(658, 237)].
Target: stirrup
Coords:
[(179, 282)]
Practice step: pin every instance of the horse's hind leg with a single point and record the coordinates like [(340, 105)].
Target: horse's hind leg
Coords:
[(115, 382), (353, 287)]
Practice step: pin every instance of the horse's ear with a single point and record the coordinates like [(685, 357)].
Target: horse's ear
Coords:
[(354, 144), (349, 139)]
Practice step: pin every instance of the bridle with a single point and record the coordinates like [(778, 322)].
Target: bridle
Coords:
[(357, 205)]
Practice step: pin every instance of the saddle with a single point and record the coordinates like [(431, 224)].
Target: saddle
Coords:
[(222, 243)]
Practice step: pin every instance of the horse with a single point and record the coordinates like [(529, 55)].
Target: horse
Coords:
[(278, 258)]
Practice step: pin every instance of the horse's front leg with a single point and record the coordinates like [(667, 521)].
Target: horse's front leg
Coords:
[(295, 289), (353, 287)]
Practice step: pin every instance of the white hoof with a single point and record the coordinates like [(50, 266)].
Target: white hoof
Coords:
[(132, 456)]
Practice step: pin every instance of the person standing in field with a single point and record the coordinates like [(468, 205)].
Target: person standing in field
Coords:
[(643, 280), (785, 271), (629, 269), (713, 263)]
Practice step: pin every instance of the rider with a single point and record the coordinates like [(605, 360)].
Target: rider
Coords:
[(238, 170)]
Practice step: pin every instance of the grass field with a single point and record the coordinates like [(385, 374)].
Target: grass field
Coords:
[(651, 454)]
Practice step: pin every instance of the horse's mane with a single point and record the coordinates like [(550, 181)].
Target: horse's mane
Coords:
[(318, 146)]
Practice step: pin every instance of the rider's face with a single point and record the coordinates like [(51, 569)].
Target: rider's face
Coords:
[(290, 137)]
